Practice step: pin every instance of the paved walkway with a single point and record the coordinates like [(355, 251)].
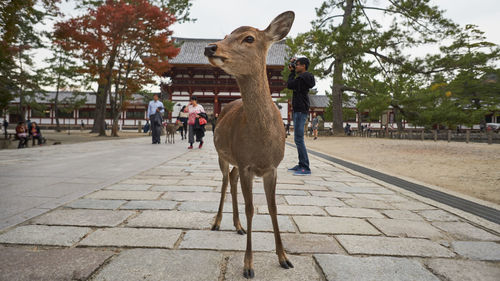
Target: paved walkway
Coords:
[(154, 224)]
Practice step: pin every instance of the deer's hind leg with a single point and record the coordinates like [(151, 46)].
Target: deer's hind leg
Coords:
[(224, 168), (270, 189), (233, 180)]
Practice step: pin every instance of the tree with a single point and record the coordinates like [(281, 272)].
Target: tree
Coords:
[(18, 76), (120, 41), (61, 72), (346, 40)]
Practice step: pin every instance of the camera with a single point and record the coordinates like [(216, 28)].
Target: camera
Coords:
[(293, 63)]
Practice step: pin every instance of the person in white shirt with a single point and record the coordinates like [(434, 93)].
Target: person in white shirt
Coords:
[(155, 106), (194, 109)]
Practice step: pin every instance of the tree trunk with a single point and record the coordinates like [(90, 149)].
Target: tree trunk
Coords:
[(100, 111), (56, 111), (338, 71), (398, 119), (114, 128)]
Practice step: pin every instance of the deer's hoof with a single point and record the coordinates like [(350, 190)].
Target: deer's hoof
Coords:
[(241, 231), (286, 264), (215, 227), (248, 273)]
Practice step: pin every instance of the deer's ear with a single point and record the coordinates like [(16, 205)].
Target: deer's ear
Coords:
[(280, 26)]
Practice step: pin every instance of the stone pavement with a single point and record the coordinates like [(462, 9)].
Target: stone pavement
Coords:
[(155, 225)]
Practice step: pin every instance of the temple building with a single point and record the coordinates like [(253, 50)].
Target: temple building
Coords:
[(192, 75)]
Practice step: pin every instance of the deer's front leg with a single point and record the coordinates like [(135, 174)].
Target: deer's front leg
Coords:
[(246, 179), (233, 180), (270, 189), (224, 168)]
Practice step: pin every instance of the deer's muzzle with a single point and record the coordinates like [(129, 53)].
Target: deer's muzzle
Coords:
[(210, 50)]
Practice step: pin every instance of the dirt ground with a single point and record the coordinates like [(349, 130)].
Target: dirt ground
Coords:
[(472, 169), (77, 136)]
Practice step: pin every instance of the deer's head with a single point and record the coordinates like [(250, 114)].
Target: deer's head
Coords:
[(245, 50)]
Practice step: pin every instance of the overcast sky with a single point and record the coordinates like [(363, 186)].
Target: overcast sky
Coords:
[(217, 18)]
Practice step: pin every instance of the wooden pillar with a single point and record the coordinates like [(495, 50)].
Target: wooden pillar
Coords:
[(467, 136)]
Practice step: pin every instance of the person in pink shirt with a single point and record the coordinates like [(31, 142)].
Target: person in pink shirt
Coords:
[(196, 114)]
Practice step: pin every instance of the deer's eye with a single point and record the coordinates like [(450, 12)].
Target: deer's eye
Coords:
[(249, 39)]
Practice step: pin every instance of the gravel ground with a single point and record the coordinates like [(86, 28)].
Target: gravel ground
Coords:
[(471, 169)]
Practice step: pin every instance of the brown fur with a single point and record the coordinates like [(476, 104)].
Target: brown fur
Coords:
[(170, 129), (250, 134)]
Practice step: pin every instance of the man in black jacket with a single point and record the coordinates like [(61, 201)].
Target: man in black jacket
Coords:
[(300, 81)]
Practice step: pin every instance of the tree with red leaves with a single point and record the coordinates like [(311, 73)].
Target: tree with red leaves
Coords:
[(122, 44)]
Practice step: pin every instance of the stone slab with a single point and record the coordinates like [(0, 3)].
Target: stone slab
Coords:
[(208, 207), (353, 212), (333, 225), (159, 264), (87, 203), (402, 215), (310, 243), (226, 240), (356, 189), (313, 201), (300, 187), (382, 197), (325, 183), (129, 187), (267, 268), (133, 237), (406, 228), (194, 196), (488, 251), (182, 188), (465, 231), (149, 205), (438, 215), (280, 191), (172, 219), (346, 268), (83, 217), (461, 270), (200, 182), (44, 235), (371, 245), (53, 264), (412, 206), (331, 194), (369, 204), (294, 210), (151, 181), (125, 195), (259, 223)]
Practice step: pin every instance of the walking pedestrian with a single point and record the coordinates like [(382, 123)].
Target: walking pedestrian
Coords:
[(155, 110), (5, 126), (300, 81), (315, 123), (196, 121), (183, 117)]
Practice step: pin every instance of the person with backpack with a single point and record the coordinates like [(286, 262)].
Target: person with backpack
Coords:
[(155, 110)]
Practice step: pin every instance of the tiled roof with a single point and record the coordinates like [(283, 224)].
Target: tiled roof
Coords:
[(192, 50), (49, 97), (318, 100)]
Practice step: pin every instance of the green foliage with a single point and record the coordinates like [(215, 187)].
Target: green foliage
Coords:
[(365, 60), (18, 76)]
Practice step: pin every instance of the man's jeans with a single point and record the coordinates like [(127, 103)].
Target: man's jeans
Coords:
[(299, 121)]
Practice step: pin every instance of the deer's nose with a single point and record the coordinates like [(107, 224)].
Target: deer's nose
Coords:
[(210, 50)]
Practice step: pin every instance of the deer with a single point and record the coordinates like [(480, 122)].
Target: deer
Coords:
[(170, 129), (250, 135)]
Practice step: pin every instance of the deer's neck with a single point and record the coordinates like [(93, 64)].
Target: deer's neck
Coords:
[(257, 101)]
